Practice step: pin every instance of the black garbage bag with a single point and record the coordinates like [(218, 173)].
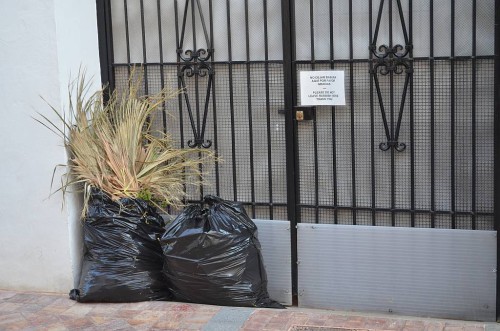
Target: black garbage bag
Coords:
[(123, 258), (212, 256)]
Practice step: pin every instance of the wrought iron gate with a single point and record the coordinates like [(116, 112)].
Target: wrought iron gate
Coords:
[(413, 147)]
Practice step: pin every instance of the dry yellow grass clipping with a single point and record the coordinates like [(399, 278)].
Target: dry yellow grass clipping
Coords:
[(112, 147)]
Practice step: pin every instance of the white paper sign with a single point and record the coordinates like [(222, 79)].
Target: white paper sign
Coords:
[(322, 88)]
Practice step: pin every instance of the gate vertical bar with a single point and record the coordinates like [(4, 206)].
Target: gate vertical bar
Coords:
[(372, 116), (144, 54), (334, 139), (391, 97), (315, 123), (249, 101), (127, 33), (179, 85), (432, 114), (162, 74), (351, 90), (412, 120), (214, 102), (289, 66), (268, 114), (231, 99), (452, 114), (473, 114), (497, 143), (105, 38)]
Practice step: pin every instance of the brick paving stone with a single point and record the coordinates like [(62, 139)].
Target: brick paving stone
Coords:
[(356, 322), (145, 305), (175, 315), (59, 306), (316, 321), (98, 320), (298, 319), (6, 294), (78, 322), (375, 323), (453, 328), (137, 322), (436, 326), (44, 319), (274, 327), (281, 318), (22, 298), (10, 306), (30, 308), (202, 317), (260, 315), (11, 318), (53, 327), (124, 313), (190, 325), (266, 313), (78, 310), (148, 315), (335, 320), (107, 309), (115, 324), (253, 325), (474, 328), (173, 320), (394, 324), (186, 307), (414, 326), (29, 299), (15, 325), (166, 324)]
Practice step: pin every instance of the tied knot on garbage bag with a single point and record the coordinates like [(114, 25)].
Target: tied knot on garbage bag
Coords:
[(212, 256), (123, 258)]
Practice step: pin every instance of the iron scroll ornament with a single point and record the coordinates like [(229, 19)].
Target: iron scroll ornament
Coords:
[(391, 60), (194, 64)]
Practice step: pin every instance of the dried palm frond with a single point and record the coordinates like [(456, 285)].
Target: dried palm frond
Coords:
[(112, 146)]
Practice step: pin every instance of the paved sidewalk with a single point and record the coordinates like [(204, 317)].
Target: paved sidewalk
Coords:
[(44, 311)]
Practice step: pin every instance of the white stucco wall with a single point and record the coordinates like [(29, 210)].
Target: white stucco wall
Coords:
[(41, 42)]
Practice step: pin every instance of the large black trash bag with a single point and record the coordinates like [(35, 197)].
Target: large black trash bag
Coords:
[(123, 258), (212, 256)]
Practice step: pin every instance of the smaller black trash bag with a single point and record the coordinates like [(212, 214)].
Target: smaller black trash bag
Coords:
[(123, 258), (212, 256)]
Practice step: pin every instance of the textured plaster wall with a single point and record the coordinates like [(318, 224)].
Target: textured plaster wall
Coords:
[(39, 243)]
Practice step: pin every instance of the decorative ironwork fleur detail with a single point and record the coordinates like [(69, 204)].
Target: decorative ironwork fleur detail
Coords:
[(194, 64), (391, 60)]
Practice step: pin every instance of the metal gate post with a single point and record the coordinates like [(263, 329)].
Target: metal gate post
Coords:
[(106, 56), (292, 162), (497, 144)]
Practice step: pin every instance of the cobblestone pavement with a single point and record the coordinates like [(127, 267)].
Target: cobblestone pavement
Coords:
[(44, 311)]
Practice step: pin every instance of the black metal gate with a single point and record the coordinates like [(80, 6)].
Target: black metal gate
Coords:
[(414, 145)]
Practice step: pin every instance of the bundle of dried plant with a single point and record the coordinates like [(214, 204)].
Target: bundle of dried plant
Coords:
[(112, 146)]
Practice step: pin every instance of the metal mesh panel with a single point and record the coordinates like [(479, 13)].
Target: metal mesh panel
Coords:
[(322, 182), (127, 23), (252, 171), (442, 179), (444, 176), (421, 13)]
